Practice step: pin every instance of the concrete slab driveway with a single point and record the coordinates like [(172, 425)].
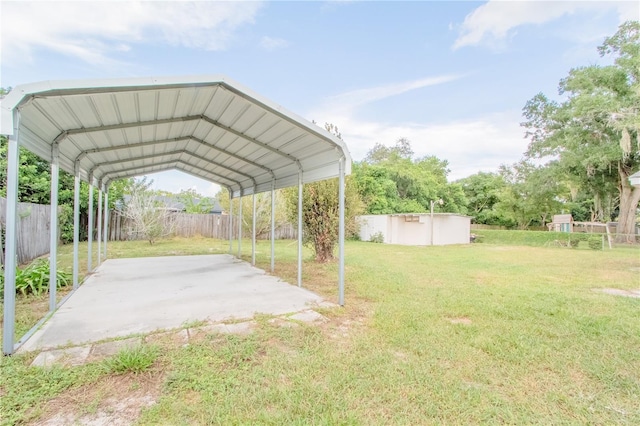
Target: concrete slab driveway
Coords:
[(127, 296)]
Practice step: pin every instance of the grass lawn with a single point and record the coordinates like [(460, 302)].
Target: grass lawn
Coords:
[(429, 335)]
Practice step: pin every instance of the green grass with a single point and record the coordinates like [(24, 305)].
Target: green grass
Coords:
[(135, 359), (539, 346), (529, 238)]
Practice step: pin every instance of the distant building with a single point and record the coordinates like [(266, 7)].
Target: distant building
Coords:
[(561, 223), (416, 229)]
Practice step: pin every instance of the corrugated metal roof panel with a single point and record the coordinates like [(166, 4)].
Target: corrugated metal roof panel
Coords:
[(208, 127)]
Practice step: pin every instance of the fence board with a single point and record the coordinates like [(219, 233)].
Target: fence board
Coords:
[(33, 224), (187, 225)]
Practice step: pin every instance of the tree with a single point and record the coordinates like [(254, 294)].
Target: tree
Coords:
[(263, 211), (595, 133), (390, 180), (483, 191), (194, 202), (34, 186), (530, 196), (146, 214), (320, 214)]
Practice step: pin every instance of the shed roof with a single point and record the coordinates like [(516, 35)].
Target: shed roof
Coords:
[(207, 126)]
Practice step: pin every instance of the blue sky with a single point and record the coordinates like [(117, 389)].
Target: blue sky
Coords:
[(452, 77)]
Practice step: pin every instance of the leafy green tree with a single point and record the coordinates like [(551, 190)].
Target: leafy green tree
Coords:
[(320, 214), (34, 186), (532, 195), (194, 202), (390, 180), (320, 211), (483, 191), (263, 211), (595, 133)]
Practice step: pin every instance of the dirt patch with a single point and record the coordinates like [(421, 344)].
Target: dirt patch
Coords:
[(461, 320), (114, 400), (618, 292)]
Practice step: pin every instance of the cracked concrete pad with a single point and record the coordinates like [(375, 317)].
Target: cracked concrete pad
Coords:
[(107, 349), (68, 357), (308, 316), (180, 337), (283, 323), (242, 328), (124, 297)]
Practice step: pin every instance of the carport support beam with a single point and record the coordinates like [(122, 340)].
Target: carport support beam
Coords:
[(76, 224), (230, 223), (341, 235), (8, 327), (99, 224), (240, 228), (106, 220), (90, 228), (53, 236), (253, 229), (300, 229), (273, 225)]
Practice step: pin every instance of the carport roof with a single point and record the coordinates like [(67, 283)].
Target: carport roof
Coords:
[(206, 126)]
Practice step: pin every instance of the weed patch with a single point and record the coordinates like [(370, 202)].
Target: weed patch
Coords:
[(135, 359)]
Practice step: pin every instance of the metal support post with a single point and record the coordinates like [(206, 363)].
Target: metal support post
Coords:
[(105, 235), (253, 229), (240, 227), (99, 236), (300, 229), (90, 228), (11, 240), (273, 225), (76, 223), (341, 197), (230, 223), (53, 228)]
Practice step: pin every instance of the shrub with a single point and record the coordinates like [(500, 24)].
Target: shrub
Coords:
[(574, 239), (34, 279), (378, 237), (595, 243)]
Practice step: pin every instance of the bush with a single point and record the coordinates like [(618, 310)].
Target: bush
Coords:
[(595, 243), (574, 239), (378, 237), (34, 279)]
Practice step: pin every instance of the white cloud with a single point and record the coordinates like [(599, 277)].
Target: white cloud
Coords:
[(495, 21), (482, 143), (271, 43), (92, 31), (347, 102)]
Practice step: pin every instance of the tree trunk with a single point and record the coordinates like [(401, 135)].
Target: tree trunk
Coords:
[(629, 198)]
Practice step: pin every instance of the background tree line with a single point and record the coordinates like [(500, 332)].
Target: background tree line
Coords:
[(581, 153)]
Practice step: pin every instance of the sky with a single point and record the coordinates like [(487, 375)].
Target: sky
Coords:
[(452, 77)]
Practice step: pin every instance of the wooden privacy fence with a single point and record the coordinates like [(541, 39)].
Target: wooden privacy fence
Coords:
[(188, 225), (33, 230)]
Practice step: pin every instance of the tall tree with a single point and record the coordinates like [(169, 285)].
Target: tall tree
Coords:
[(483, 191), (390, 180), (595, 133), (320, 214), (263, 211), (531, 195)]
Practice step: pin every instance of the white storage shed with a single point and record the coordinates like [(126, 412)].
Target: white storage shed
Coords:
[(417, 229)]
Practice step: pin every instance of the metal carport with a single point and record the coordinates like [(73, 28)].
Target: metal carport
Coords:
[(207, 126)]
